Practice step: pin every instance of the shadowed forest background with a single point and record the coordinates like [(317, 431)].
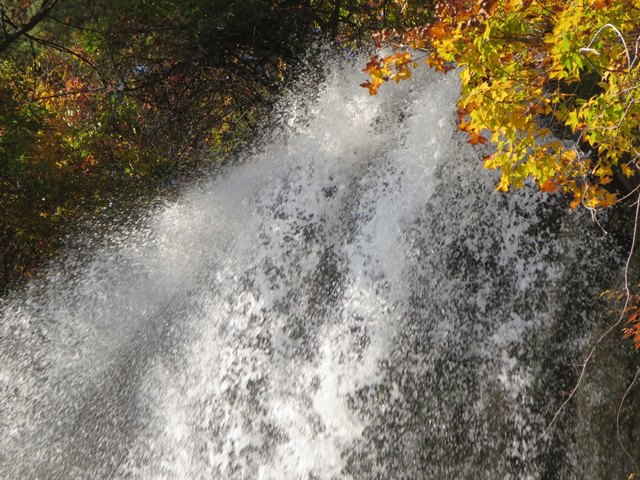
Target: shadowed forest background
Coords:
[(104, 104)]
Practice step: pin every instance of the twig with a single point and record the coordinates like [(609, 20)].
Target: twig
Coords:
[(62, 48), (624, 44), (622, 199), (45, 8), (606, 332), (626, 393)]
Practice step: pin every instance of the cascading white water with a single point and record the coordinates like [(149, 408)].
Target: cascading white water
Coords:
[(354, 301)]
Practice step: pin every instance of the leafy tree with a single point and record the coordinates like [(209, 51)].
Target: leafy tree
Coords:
[(19, 18), (105, 101), (553, 85)]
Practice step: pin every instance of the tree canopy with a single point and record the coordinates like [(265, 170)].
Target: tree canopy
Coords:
[(552, 86), (105, 101)]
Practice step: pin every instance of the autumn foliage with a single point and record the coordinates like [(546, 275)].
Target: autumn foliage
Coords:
[(105, 103), (553, 86)]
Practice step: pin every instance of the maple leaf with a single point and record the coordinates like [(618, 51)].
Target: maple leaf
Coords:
[(475, 138), (600, 4), (373, 88), (438, 30), (549, 187), (577, 200), (627, 171), (373, 65)]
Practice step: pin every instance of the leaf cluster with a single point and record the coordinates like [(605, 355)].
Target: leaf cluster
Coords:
[(104, 102), (552, 85)]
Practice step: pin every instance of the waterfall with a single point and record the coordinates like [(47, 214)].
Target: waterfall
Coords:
[(353, 300)]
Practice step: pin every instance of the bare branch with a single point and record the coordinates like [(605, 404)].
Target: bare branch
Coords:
[(617, 32), (624, 397), (605, 334), (46, 7)]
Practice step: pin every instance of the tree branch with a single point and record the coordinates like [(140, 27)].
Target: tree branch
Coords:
[(46, 7)]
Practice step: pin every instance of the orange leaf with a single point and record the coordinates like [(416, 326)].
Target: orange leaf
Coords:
[(438, 30), (600, 4), (576, 201), (548, 187), (475, 138), (373, 65), (373, 88)]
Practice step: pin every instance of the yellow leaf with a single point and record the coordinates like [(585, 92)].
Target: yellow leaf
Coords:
[(403, 74), (569, 155), (503, 186), (627, 171)]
